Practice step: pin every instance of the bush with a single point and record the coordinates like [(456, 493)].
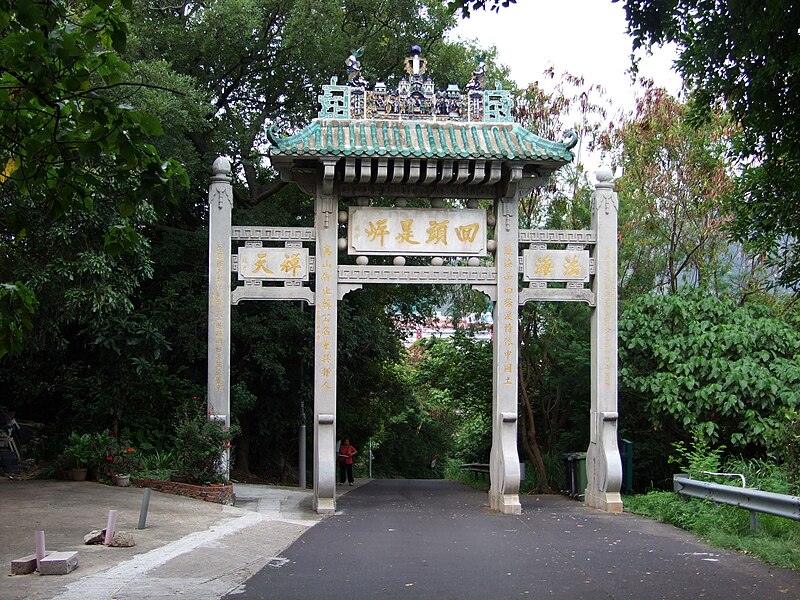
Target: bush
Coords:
[(201, 444)]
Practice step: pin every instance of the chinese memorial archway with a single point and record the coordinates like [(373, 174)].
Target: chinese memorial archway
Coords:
[(418, 142)]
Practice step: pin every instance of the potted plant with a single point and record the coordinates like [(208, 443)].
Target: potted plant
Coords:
[(121, 461), (77, 455)]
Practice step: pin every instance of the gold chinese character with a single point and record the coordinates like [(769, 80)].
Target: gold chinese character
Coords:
[(572, 267), (437, 232), (508, 263), (467, 233), (261, 264), (507, 369), (291, 263), (377, 230), (326, 277), (326, 251), (543, 266), (406, 235)]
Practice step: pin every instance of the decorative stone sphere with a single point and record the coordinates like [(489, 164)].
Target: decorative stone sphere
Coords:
[(604, 174), (362, 201), (491, 246), (222, 166), (399, 261), (362, 260), (342, 216), (472, 203), (437, 203), (490, 220), (437, 261), (474, 261), (342, 244), (400, 202)]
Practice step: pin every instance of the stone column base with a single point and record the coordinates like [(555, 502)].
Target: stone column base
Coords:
[(324, 506), (508, 504), (610, 502)]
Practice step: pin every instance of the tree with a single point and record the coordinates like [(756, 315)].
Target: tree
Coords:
[(695, 361), (742, 56), (69, 143), (672, 190)]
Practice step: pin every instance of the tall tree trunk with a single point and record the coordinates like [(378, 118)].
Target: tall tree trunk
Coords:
[(529, 444)]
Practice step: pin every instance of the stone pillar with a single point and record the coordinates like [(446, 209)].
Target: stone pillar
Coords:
[(504, 459), (603, 464), (325, 318), (220, 205)]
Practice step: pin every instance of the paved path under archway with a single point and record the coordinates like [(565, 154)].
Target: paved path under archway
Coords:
[(438, 539)]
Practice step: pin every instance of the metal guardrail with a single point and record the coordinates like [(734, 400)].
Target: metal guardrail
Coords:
[(475, 467), (756, 501)]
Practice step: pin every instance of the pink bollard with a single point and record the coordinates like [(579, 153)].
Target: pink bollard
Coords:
[(40, 553), (112, 521)]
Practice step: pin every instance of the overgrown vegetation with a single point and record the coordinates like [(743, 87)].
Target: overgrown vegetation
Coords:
[(777, 540)]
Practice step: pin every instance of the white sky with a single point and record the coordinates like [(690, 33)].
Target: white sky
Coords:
[(582, 37)]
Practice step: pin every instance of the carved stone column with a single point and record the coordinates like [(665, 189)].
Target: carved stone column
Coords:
[(603, 464), (326, 294), (220, 205), (504, 459)]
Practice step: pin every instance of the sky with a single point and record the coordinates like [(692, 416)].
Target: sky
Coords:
[(582, 37)]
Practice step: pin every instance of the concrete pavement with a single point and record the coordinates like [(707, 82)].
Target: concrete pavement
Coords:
[(188, 548), (435, 539), (415, 539)]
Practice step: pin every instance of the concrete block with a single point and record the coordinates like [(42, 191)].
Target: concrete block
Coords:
[(24, 565), (58, 563)]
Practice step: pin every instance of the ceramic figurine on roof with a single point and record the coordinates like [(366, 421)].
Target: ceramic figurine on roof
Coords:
[(478, 75), (354, 77)]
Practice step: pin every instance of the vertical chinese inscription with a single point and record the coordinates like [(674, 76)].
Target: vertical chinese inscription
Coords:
[(508, 321), (220, 274), (325, 323)]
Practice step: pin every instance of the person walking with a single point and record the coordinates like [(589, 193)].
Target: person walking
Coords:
[(346, 452)]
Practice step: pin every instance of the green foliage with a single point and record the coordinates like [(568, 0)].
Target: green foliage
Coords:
[(200, 444), (72, 148), (671, 195), (120, 457), (699, 459), (159, 464), (694, 360), (79, 452), (17, 305), (735, 54), (724, 526)]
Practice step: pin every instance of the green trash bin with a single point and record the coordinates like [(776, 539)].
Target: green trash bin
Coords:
[(575, 474), (581, 482)]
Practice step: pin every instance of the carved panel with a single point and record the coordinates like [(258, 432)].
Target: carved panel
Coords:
[(273, 234), (393, 274), (556, 236)]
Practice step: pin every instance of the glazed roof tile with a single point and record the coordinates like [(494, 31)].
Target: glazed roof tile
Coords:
[(420, 139)]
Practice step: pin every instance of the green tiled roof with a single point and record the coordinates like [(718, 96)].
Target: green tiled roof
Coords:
[(420, 139)]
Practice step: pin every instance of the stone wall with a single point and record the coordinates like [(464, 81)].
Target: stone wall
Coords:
[(221, 493)]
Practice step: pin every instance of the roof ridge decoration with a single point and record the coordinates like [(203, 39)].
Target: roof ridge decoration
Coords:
[(415, 97), (414, 120)]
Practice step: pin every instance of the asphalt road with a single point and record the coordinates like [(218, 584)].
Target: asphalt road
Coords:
[(438, 539)]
